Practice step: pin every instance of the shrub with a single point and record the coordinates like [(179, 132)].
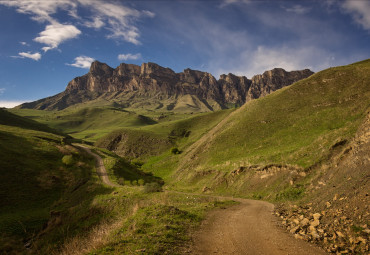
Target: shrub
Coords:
[(152, 187), (134, 182), (175, 150), (137, 163), (67, 160), (141, 182)]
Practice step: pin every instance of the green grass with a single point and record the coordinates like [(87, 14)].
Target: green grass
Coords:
[(162, 225), (87, 123)]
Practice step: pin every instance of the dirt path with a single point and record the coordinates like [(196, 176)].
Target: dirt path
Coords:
[(247, 228), (99, 164)]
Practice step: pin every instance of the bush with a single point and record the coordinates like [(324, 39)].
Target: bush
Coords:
[(137, 163), (134, 182), (121, 181), (152, 187), (141, 182), (175, 150), (67, 160)]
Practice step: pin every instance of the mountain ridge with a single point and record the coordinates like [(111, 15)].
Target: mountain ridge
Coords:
[(152, 81)]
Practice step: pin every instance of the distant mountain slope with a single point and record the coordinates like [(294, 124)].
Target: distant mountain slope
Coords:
[(157, 88)]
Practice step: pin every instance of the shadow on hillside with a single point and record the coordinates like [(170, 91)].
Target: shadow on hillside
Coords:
[(132, 173), (43, 201)]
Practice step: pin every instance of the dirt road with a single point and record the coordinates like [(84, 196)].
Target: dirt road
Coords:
[(248, 228), (99, 164)]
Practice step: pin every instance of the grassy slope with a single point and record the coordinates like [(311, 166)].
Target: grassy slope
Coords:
[(33, 178), (87, 123), (152, 140), (296, 125)]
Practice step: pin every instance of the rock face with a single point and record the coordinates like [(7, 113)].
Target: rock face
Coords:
[(152, 81)]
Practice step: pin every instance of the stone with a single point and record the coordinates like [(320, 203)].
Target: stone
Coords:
[(316, 216), (305, 222), (315, 223)]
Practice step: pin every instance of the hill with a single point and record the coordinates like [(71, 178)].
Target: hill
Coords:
[(153, 87)]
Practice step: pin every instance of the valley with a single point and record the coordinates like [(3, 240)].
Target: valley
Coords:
[(143, 160)]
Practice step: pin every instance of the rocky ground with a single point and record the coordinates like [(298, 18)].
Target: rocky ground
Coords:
[(335, 211), (329, 228)]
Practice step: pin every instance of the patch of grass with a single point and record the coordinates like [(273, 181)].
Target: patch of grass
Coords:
[(290, 194), (162, 225)]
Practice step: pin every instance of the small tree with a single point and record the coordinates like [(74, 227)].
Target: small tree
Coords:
[(141, 182)]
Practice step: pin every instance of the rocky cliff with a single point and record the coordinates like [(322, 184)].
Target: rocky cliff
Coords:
[(151, 85)]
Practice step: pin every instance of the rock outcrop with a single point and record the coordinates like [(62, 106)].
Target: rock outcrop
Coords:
[(153, 81)]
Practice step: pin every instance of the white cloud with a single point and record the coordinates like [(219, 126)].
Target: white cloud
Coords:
[(360, 11), (113, 16), (55, 34), (10, 104), (82, 62), (119, 19), (228, 2), (298, 9), (40, 10), (35, 56), (129, 56), (289, 58), (95, 23), (2, 90)]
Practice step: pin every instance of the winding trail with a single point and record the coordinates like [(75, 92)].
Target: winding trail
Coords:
[(247, 228), (99, 164)]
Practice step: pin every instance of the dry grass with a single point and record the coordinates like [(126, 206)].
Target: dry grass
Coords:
[(95, 239)]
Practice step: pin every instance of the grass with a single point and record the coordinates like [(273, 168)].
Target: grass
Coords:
[(161, 225)]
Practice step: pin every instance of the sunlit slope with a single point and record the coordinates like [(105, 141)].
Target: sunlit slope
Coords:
[(87, 123), (151, 140), (297, 125)]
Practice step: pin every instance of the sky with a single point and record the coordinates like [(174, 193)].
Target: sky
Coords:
[(44, 44)]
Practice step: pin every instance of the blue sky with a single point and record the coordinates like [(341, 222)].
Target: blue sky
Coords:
[(46, 43)]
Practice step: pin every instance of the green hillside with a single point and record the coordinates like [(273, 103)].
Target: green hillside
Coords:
[(297, 125), (52, 200)]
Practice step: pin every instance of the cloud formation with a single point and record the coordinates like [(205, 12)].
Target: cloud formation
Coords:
[(129, 56), (298, 9), (360, 11), (116, 18), (35, 56), (2, 90), (82, 62), (55, 34)]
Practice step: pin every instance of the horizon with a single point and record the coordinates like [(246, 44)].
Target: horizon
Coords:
[(53, 42)]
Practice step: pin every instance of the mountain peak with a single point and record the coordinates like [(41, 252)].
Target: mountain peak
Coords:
[(99, 68), (151, 83)]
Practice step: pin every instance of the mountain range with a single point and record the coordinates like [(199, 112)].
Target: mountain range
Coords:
[(153, 87)]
